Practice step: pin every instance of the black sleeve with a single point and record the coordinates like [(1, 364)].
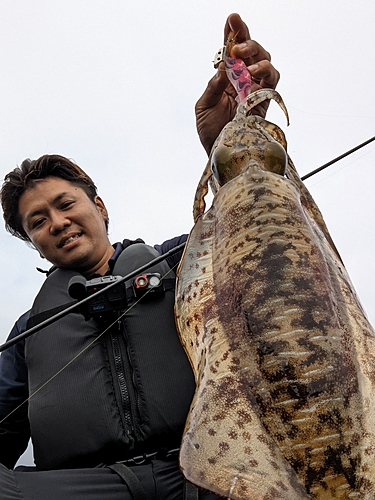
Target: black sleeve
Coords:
[(174, 259), (14, 423)]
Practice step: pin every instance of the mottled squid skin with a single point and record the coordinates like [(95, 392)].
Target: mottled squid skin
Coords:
[(281, 349)]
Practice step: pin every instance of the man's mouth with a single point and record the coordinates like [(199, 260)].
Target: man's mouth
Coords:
[(72, 238)]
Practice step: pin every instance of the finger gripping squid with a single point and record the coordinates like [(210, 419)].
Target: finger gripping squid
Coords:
[(281, 349)]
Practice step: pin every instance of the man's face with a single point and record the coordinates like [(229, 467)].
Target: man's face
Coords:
[(65, 226)]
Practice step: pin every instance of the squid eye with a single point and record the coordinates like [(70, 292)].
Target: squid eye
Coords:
[(275, 158), (220, 171), (221, 163), (227, 163)]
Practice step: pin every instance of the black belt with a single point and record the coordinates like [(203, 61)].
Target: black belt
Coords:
[(147, 457), (131, 480), (191, 492)]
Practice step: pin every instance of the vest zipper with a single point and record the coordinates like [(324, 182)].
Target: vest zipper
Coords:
[(122, 384), (137, 419), (126, 385)]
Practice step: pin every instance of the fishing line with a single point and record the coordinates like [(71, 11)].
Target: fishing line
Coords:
[(86, 347), (368, 117), (342, 168)]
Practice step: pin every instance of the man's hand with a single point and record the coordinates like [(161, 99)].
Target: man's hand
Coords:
[(218, 105)]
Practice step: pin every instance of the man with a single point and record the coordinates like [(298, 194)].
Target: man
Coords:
[(108, 395)]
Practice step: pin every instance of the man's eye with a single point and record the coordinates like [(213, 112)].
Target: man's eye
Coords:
[(37, 223), (66, 204)]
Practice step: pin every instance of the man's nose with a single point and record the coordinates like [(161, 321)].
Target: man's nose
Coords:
[(59, 221)]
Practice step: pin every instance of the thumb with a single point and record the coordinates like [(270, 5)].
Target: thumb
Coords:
[(215, 88)]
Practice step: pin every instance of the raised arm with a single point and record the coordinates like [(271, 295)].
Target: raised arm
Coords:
[(217, 106)]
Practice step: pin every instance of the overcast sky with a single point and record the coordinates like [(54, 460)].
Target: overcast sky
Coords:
[(112, 84)]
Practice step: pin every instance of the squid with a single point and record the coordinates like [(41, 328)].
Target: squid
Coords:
[(281, 348)]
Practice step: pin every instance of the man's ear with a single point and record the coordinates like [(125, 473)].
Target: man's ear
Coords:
[(101, 207)]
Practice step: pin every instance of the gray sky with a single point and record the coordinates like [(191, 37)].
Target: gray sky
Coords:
[(112, 84)]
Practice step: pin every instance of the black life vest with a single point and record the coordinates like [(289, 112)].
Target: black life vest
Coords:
[(129, 392)]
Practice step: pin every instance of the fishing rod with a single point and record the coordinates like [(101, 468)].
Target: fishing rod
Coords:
[(337, 159), (82, 302), (174, 250)]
